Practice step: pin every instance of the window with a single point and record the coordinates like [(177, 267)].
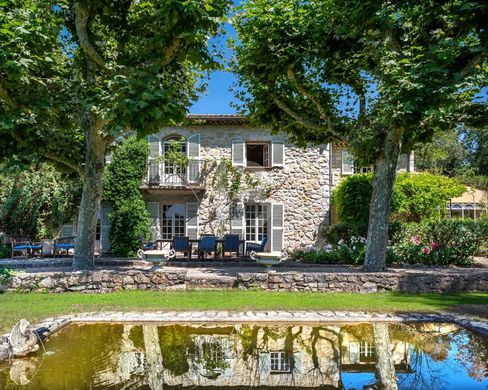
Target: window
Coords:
[(257, 155), (360, 169), (173, 172), (279, 362), (367, 352), (256, 222), (172, 220), (347, 160)]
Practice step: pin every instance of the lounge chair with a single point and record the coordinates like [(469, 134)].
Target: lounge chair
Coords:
[(182, 245), (206, 245), (256, 246), (231, 244)]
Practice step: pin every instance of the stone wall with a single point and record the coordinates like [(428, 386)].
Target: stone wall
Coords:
[(302, 184), (354, 281), (97, 281)]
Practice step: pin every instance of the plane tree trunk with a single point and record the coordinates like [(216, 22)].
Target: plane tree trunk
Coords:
[(385, 368), (379, 210), (83, 258)]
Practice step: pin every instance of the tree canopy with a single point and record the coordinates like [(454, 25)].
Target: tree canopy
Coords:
[(381, 76), (76, 75)]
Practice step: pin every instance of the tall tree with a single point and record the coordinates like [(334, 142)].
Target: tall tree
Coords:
[(381, 76), (118, 66)]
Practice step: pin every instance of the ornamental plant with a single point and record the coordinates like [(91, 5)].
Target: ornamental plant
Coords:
[(416, 196), (129, 217), (445, 242)]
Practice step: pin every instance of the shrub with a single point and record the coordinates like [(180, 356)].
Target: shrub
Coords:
[(129, 224), (423, 196), (449, 241), (129, 217), (350, 252), (6, 274), (344, 232), (35, 202), (351, 199), (416, 196)]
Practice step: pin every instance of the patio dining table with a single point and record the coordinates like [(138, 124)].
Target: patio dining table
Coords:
[(159, 244)]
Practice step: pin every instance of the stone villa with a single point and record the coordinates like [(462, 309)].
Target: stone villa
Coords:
[(239, 179)]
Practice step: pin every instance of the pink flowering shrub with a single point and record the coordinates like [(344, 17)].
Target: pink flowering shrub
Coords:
[(444, 242)]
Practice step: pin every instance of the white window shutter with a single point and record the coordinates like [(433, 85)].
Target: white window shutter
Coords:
[(193, 153), (264, 362), (153, 170), (237, 224), (67, 230), (278, 153), (238, 153), (154, 146), (105, 226), (297, 362), (153, 209), (347, 163), (191, 226), (277, 223)]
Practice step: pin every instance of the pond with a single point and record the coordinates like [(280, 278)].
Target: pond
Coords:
[(216, 356)]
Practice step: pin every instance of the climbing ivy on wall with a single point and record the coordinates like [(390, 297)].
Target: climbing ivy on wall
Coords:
[(129, 217)]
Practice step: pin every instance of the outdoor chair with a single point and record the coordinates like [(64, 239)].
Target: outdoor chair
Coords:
[(64, 244), (182, 245), (256, 246), (206, 245), (25, 248), (231, 244)]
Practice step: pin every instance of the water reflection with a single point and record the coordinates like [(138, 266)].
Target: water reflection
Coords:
[(333, 356)]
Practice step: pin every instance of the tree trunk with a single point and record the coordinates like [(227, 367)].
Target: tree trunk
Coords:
[(83, 258), (379, 208), (385, 368)]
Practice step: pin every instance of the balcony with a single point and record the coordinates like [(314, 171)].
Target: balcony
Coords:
[(161, 175)]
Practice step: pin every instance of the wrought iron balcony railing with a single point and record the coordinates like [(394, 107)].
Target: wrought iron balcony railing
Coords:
[(163, 174)]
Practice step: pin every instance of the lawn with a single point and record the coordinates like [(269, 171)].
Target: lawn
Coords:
[(36, 306)]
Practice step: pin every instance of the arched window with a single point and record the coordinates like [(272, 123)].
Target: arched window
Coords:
[(456, 211)]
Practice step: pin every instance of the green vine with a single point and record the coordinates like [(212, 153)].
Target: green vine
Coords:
[(174, 156)]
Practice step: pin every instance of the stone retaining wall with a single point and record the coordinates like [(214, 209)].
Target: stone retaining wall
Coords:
[(97, 281), (114, 280)]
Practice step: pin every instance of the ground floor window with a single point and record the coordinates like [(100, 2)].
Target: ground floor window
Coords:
[(279, 362), (256, 222), (172, 220), (465, 210)]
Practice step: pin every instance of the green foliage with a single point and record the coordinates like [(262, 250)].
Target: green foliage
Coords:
[(174, 156), (422, 196), (351, 198), (175, 343), (449, 241), (129, 217), (6, 275), (35, 203), (415, 197)]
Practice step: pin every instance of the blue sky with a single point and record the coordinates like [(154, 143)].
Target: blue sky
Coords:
[(218, 98)]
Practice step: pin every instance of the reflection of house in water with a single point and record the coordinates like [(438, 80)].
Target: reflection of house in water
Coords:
[(239, 356), (358, 352)]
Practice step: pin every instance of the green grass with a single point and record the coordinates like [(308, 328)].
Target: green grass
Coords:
[(36, 306)]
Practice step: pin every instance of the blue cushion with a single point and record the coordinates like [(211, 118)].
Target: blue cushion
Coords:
[(148, 246), (35, 246), (207, 244), (21, 246), (65, 246)]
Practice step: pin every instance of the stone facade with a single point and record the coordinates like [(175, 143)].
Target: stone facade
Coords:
[(299, 185), (412, 281)]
